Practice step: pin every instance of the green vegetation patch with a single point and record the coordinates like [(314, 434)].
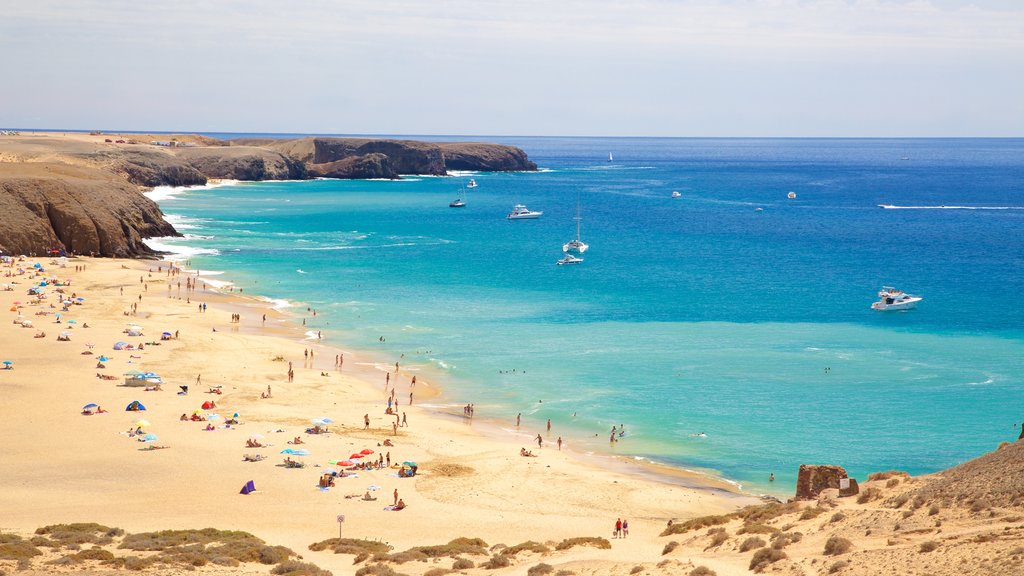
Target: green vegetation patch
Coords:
[(594, 541)]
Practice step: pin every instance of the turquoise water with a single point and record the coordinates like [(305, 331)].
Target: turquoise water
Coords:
[(688, 315)]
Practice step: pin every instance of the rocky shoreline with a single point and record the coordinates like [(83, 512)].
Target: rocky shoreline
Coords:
[(74, 192)]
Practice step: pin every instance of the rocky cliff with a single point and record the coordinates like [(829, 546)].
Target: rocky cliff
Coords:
[(485, 157), (82, 210)]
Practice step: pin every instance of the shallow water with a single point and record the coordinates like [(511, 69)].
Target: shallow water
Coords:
[(688, 315)]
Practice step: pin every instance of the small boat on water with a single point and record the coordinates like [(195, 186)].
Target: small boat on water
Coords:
[(576, 244), (472, 183), (791, 195), (610, 157), (520, 212), (457, 203), (569, 259), (676, 194), (890, 298)]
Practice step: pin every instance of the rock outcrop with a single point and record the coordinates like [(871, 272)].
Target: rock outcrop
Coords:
[(241, 163), (812, 479), (79, 209), (485, 157), (375, 165)]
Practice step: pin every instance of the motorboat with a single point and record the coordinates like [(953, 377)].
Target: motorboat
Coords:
[(457, 203), (520, 212), (576, 245), (472, 183), (570, 259), (791, 195), (890, 298), (676, 194)]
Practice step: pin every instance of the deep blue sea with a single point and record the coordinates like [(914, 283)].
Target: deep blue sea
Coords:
[(689, 315)]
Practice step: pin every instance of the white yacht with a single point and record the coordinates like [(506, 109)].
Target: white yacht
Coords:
[(520, 212), (570, 259), (472, 183), (576, 245), (458, 202), (791, 195), (676, 194), (890, 298)]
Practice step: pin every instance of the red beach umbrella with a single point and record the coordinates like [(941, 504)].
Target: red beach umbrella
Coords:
[(356, 456), (366, 452)]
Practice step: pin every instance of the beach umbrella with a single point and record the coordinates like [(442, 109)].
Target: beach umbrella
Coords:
[(72, 321), (373, 487), (257, 436), (327, 420), (344, 463), (213, 416), (88, 406), (331, 471), (167, 334), (142, 423), (103, 358), (80, 299), (235, 415), (8, 363), (355, 456), (37, 265), (294, 452), (149, 438), (407, 463), (366, 452), (318, 422)]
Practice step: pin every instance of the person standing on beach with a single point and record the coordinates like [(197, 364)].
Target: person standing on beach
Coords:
[(540, 441), (559, 443), (387, 457), (404, 422), (549, 425), (341, 360), (518, 419), (625, 528), (618, 527), (199, 379), (396, 496), (410, 403), (366, 421)]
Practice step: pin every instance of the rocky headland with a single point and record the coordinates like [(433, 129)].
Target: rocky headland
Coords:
[(81, 192)]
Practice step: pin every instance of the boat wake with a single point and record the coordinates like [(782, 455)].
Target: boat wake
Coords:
[(893, 207)]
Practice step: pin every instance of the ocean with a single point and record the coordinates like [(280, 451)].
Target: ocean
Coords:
[(729, 330)]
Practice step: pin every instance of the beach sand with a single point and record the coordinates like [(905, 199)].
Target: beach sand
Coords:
[(60, 466)]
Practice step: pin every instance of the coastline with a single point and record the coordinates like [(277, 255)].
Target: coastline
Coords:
[(470, 484)]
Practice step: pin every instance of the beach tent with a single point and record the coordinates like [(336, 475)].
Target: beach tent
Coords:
[(135, 406), (120, 345), (135, 331), (250, 486), (208, 405)]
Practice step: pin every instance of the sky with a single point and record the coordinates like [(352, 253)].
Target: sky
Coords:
[(843, 68)]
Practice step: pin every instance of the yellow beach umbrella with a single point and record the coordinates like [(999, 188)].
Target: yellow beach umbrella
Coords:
[(142, 423)]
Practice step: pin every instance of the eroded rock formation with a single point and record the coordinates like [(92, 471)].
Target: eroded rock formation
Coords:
[(812, 479)]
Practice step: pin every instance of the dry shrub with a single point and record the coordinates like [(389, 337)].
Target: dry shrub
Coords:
[(757, 528), (412, 555), (499, 561), (594, 541), (224, 561), (764, 557), (451, 549), (696, 524), (138, 563), (438, 572), (361, 557), (812, 513), (928, 546), (79, 533), (44, 542), (376, 570), (565, 573), (64, 561), (718, 537), (765, 512), (837, 545), (907, 514), (95, 554), (869, 495), (892, 482), (529, 546), (837, 517), (899, 501), (838, 566), (702, 571), (540, 570), (462, 564), (751, 543), (636, 569), (887, 474), (157, 541), (18, 549), (979, 505), (783, 539), (350, 546), (669, 547)]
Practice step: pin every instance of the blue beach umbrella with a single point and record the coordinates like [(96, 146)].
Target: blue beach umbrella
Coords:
[(407, 463), (80, 299), (327, 420), (87, 406), (72, 321), (293, 452), (149, 438), (8, 362), (103, 358), (330, 471)]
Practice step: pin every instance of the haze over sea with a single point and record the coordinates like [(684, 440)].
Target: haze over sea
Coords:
[(688, 315)]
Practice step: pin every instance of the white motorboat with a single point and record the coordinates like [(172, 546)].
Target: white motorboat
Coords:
[(472, 183), (457, 203), (676, 194), (569, 259), (791, 195), (576, 245), (520, 212), (890, 298)]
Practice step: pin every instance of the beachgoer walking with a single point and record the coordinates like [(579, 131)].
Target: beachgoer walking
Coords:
[(549, 425), (413, 382), (366, 421), (394, 428), (540, 441), (625, 528), (559, 442), (199, 379), (405, 423), (470, 409), (518, 418), (618, 527)]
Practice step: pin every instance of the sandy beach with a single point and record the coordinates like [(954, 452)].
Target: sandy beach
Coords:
[(62, 466)]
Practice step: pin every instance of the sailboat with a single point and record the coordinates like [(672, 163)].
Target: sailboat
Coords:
[(576, 244), (458, 202), (472, 183), (610, 157)]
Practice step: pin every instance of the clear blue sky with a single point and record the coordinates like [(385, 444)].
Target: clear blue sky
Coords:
[(553, 67)]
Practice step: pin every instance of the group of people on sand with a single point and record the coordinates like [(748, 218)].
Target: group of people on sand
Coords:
[(621, 528)]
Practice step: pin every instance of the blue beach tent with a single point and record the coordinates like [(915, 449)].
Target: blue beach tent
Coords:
[(250, 486), (135, 406)]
